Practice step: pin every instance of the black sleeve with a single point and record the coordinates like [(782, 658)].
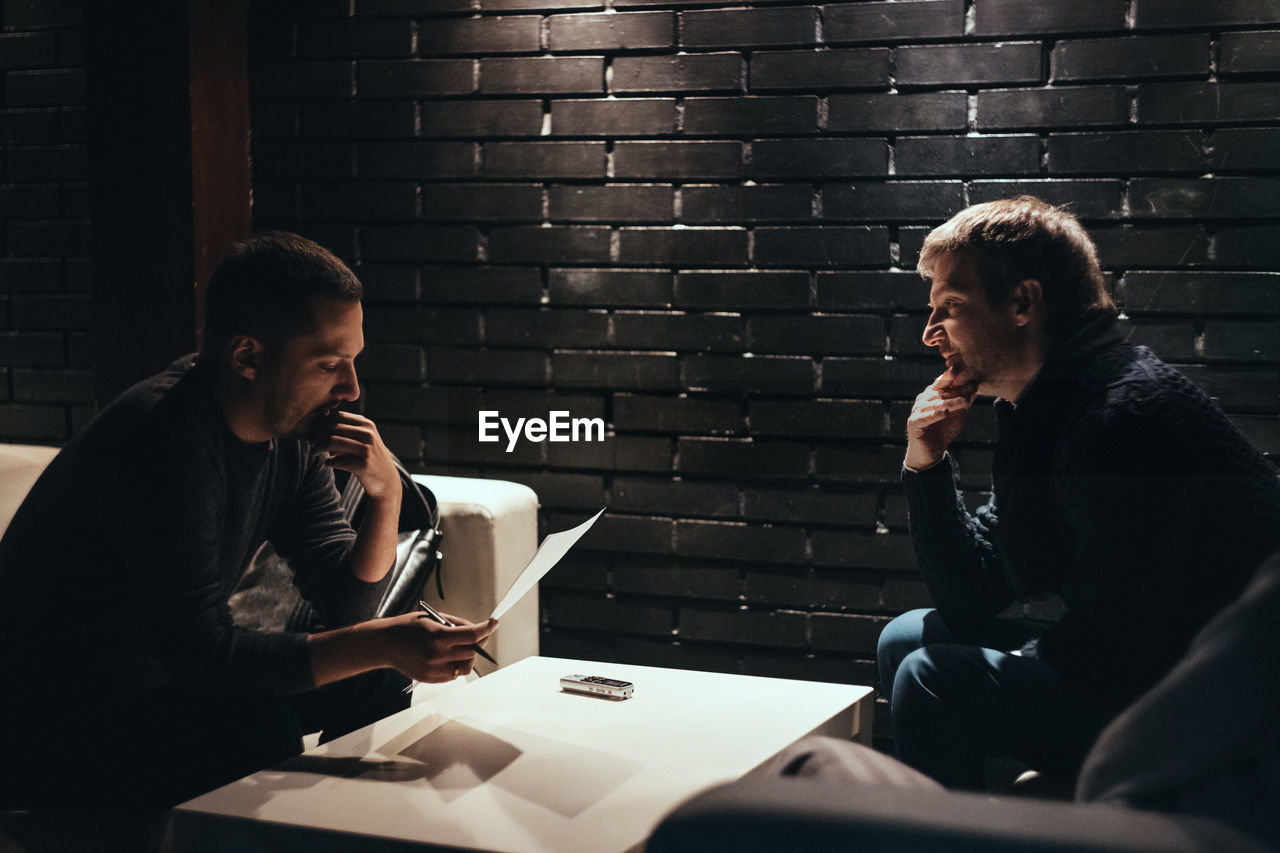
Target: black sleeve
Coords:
[(954, 548)]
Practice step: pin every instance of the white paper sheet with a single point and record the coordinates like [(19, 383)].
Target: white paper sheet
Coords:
[(555, 546)]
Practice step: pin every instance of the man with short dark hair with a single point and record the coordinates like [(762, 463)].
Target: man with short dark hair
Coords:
[(1117, 485), (125, 680)]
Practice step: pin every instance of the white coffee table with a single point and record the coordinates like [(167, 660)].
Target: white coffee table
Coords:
[(512, 763)]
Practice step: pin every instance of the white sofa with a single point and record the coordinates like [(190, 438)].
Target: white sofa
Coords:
[(490, 530)]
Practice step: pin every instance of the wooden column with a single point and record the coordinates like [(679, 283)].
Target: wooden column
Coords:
[(169, 171)]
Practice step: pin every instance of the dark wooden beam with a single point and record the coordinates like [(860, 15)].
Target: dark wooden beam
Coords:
[(169, 171)]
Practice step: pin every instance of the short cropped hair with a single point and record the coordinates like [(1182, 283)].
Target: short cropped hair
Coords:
[(1015, 239), (264, 288)]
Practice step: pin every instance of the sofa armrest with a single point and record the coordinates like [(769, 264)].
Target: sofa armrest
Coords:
[(813, 814), (490, 533)]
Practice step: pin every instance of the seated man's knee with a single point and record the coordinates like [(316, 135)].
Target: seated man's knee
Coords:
[(899, 638)]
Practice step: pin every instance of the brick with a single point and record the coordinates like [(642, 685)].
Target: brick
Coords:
[(745, 28), (31, 349), (810, 71), (29, 201), (357, 120), (361, 201), (1242, 340), (544, 160), (891, 551), (821, 247), (750, 116), (30, 126), (1200, 103), (484, 366), (684, 247), (37, 14), (615, 370), (897, 21), (1179, 291), (817, 419), (609, 287), (629, 117), (877, 378), (612, 203), (767, 374), (847, 633), (422, 160), (1155, 14), (1249, 53), (47, 163), (897, 113), (392, 363), (1088, 199), (617, 454), (535, 5), (420, 243), (23, 275), (967, 64), (40, 88), (1151, 246), (654, 578), (744, 627), (415, 78), (756, 203), (697, 72), (1261, 432), (682, 498), (737, 541), (870, 291), (680, 332), (742, 290), (857, 334), (1130, 58), (63, 312), (1216, 198), (471, 284), (811, 506), (1238, 388), (551, 75), (564, 490), (625, 31), (1238, 149), (27, 50), (49, 239), (481, 36), (635, 413), (833, 591), (419, 324), (482, 202), (752, 459), (819, 158), (1248, 246), (576, 574), (330, 79), (607, 614), (1066, 107), (1013, 17), (388, 282), (677, 160), (20, 422), (545, 328), (352, 39), (1171, 340), (892, 201), (871, 466), (1127, 153), (557, 245), (480, 118)]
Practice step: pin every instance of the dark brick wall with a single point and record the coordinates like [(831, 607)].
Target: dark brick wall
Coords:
[(698, 222), (46, 378)]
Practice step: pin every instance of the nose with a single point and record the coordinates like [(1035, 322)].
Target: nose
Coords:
[(932, 335), (348, 387)]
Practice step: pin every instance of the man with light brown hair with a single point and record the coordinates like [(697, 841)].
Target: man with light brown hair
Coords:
[(1117, 486)]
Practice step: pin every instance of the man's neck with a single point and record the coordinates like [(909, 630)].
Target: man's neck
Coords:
[(240, 411)]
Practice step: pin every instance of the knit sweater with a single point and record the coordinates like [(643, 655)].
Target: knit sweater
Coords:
[(116, 569), (1120, 487)]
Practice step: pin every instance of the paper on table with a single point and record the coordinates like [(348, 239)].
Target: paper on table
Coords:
[(555, 546)]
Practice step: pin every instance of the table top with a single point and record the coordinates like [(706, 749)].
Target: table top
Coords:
[(513, 763)]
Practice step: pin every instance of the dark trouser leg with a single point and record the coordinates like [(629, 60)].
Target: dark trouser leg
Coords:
[(953, 704)]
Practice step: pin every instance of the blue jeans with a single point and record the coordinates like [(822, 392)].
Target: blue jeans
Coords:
[(956, 695)]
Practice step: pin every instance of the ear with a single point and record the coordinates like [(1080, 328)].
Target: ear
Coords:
[(1027, 300), (246, 356)]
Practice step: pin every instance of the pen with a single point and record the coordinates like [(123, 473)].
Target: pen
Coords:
[(431, 611)]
